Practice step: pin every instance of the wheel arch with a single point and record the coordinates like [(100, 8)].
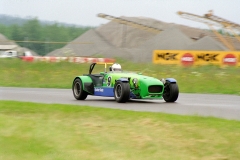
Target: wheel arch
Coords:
[(87, 83), (124, 80), (171, 80)]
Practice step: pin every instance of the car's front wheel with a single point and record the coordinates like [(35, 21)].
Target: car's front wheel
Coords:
[(78, 91), (171, 92), (121, 92)]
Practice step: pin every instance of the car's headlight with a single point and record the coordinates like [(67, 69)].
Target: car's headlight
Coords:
[(135, 82)]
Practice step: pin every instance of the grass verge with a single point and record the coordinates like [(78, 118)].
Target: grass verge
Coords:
[(68, 132), (197, 79)]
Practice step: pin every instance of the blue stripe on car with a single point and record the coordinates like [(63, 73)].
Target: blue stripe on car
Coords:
[(104, 91)]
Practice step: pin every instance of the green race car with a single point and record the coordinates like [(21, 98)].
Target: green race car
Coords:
[(123, 86)]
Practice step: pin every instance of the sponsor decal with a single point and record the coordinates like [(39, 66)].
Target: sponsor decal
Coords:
[(99, 90), (208, 57), (167, 56), (187, 59), (230, 59)]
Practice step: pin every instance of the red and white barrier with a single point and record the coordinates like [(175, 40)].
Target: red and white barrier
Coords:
[(68, 59)]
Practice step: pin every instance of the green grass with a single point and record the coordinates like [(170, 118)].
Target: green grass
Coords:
[(68, 132), (198, 79)]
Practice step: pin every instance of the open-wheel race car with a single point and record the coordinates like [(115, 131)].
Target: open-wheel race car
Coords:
[(123, 86)]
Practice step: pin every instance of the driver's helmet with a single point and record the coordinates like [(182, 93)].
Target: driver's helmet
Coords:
[(116, 67)]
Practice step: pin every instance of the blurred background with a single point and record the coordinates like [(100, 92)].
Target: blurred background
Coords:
[(130, 30)]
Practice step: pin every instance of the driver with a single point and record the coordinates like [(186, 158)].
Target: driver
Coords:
[(115, 67)]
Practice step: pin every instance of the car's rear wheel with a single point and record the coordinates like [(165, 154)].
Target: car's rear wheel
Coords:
[(171, 92), (78, 91), (121, 92)]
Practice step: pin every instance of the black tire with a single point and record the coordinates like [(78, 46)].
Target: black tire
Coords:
[(171, 92), (121, 92), (78, 91)]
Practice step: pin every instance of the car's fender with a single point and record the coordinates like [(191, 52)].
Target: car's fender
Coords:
[(87, 83), (122, 80), (171, 80)]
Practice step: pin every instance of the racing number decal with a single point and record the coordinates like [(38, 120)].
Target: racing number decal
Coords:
[(109, 81)]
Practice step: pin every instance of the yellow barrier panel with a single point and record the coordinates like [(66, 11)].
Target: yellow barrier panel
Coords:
[(188, 58), (238, 59)]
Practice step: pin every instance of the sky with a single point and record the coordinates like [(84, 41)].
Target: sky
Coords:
[(84, 12)]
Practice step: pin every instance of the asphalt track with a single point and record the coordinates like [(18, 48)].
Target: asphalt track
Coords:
[(221, 106)]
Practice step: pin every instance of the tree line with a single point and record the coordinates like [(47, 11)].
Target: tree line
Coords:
[(38, 37)]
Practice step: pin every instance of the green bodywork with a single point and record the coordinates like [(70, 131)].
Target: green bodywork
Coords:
[(139, 90)]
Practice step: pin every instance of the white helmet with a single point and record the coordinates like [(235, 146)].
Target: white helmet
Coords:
[(116, 67)]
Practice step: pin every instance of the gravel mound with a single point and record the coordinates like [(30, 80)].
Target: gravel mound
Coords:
[(5, 41), (20, 50), (206, 43), (96, 46), (115, 40), (87, 44), (169, 39)]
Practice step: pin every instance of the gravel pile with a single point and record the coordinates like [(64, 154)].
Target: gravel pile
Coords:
[(20, 50), (118, 40), (5, 41), (206, 43), (126, 36), (169, 39), (87, 44)]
